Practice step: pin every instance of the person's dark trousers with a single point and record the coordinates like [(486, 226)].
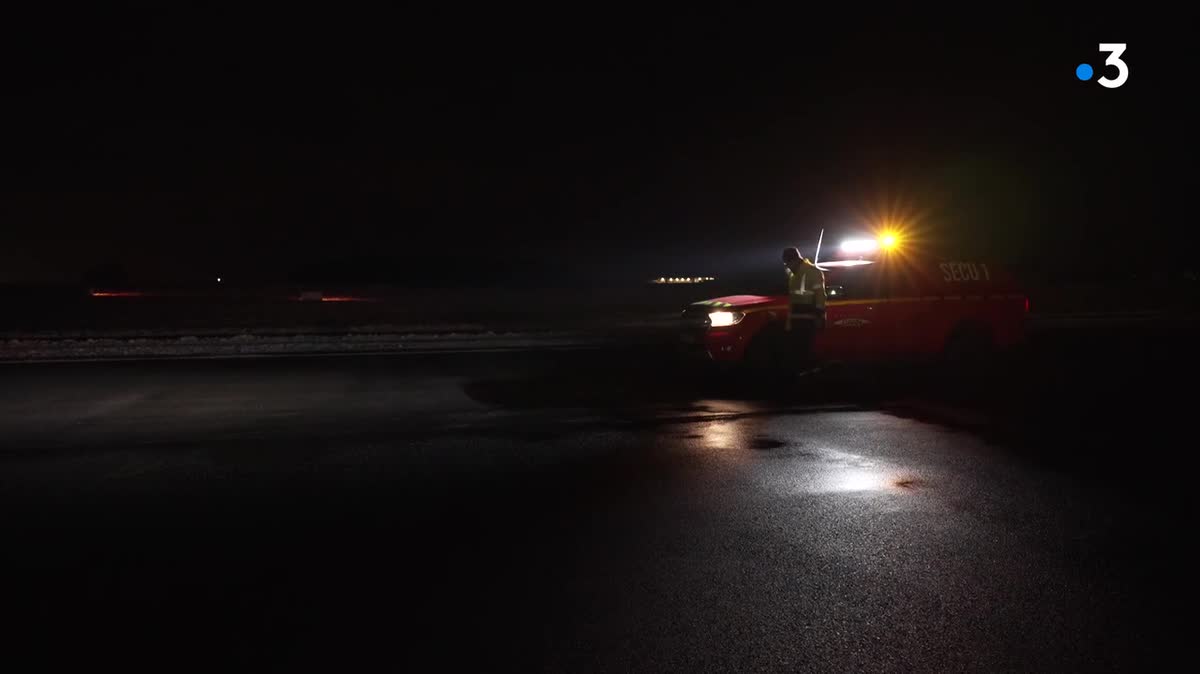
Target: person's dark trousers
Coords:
[(804, 326)]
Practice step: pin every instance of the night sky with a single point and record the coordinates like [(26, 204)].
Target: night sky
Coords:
[(263, 147)]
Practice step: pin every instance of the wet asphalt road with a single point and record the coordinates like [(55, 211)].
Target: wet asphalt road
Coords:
[(593, 511)]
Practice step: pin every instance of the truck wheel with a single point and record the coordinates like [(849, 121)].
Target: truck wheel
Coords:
[(764, 355), (969, 343), (968, 352)]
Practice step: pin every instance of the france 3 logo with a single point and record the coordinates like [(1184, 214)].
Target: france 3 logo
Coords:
[(1114, 50)]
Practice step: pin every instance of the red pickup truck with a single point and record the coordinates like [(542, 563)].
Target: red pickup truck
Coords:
[(889, 307)]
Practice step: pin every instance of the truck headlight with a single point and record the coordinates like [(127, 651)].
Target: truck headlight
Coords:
[(724, 319)]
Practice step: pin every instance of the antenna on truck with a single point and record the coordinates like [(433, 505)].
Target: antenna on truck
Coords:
[(817, 255)]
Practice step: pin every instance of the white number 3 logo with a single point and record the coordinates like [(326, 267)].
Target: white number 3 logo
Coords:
[(1115, 50)]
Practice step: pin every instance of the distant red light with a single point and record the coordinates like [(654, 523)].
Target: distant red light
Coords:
[(343, 298), (1026, 305), (115, 293)]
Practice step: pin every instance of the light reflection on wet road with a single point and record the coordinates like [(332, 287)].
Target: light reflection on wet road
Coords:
[(290, 511)]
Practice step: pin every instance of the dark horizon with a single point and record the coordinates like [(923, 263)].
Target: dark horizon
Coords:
[(187, 147)]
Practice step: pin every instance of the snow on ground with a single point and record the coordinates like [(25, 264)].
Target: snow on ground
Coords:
[(272, 341), (258, 331), (244, 345)]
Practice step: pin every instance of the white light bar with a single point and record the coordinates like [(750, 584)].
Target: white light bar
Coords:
[(833, 264), (860, 246)]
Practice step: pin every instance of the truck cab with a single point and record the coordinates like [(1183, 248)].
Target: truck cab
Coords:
[(878, 308)]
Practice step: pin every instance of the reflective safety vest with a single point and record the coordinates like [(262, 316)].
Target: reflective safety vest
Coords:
[(806, 291)]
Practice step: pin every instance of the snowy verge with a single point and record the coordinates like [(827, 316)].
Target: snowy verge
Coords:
[(249, 345)]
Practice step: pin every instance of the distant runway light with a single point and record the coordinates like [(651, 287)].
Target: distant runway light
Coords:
[(683, 279)]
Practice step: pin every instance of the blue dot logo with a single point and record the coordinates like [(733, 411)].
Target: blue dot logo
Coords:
[(1083, 72)]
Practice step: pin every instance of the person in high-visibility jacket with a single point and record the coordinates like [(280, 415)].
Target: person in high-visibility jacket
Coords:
[(806, 305)]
